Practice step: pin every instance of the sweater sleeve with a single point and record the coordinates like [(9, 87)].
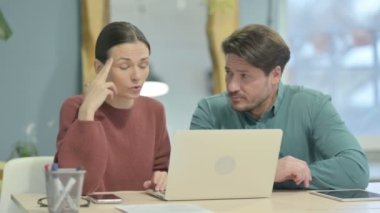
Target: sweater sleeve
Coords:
[(82, 144), (344, 164), (162, 147)]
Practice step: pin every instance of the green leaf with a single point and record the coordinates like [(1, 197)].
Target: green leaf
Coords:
[(5, 30)]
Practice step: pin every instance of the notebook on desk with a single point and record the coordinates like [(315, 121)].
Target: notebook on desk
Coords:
[(222, 164)]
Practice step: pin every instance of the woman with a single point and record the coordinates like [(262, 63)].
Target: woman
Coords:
[(117, 136)]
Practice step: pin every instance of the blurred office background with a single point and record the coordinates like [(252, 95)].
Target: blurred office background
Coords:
[(335, 48)]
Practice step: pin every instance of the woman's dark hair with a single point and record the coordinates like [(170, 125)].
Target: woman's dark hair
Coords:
[(117, 33), (260, 46)]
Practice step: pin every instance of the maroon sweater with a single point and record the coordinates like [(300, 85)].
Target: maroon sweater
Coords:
[(120, 149)]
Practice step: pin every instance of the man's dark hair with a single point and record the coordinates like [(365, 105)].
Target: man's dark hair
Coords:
[(260, 46)]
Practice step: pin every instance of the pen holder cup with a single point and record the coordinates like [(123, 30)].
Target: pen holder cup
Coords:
[(64, 189)]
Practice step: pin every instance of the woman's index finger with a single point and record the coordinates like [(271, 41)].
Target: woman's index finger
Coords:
[(103, 74)]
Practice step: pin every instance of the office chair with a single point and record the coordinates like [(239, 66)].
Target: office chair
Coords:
[(22, 175)]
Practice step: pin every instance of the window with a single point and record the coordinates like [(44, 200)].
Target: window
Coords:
[(335, 48)]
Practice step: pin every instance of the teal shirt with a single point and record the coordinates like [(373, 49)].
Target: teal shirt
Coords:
[(312, 131)]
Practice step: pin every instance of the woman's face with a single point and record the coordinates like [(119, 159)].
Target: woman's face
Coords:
[(130, 68)]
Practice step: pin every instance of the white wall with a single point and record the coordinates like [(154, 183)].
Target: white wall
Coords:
[(177, 33)]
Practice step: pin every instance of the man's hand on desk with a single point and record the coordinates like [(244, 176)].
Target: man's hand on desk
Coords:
[(290, 168), (158, 181)]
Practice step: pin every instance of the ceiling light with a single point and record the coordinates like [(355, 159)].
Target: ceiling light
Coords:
[(154, 86)]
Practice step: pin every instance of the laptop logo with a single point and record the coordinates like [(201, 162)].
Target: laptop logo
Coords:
[(225, 165)]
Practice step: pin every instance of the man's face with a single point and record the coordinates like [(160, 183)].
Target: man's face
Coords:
[(248, 87)]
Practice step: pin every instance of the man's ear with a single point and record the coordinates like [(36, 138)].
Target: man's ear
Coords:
[(276, 74), (98, 65)]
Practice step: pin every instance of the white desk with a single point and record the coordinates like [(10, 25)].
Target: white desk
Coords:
[(280, 201)]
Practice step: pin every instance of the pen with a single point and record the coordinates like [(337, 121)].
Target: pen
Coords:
[(46, 168), (57, 183), (54, 167)]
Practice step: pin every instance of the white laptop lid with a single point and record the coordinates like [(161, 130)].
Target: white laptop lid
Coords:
[(223, 164)]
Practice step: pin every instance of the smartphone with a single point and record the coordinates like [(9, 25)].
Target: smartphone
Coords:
[(105, 198), (348, 195)]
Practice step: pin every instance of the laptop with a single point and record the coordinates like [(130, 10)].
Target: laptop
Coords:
[(222, 164)]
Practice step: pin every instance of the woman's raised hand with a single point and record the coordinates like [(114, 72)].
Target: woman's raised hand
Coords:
[(97, 92)]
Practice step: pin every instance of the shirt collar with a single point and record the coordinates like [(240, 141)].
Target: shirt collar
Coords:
[(280, 96)]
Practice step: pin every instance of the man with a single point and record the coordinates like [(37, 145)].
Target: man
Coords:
[(317, 151)]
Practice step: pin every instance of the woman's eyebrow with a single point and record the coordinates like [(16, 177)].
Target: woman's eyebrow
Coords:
[(123, 58), (128, 59)]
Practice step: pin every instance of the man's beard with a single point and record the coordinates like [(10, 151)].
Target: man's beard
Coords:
[(250, 107)]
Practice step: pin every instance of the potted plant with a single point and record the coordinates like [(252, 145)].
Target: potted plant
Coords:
[(26, 147)]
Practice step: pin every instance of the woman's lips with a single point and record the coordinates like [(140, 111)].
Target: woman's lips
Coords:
[(136, 88)]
